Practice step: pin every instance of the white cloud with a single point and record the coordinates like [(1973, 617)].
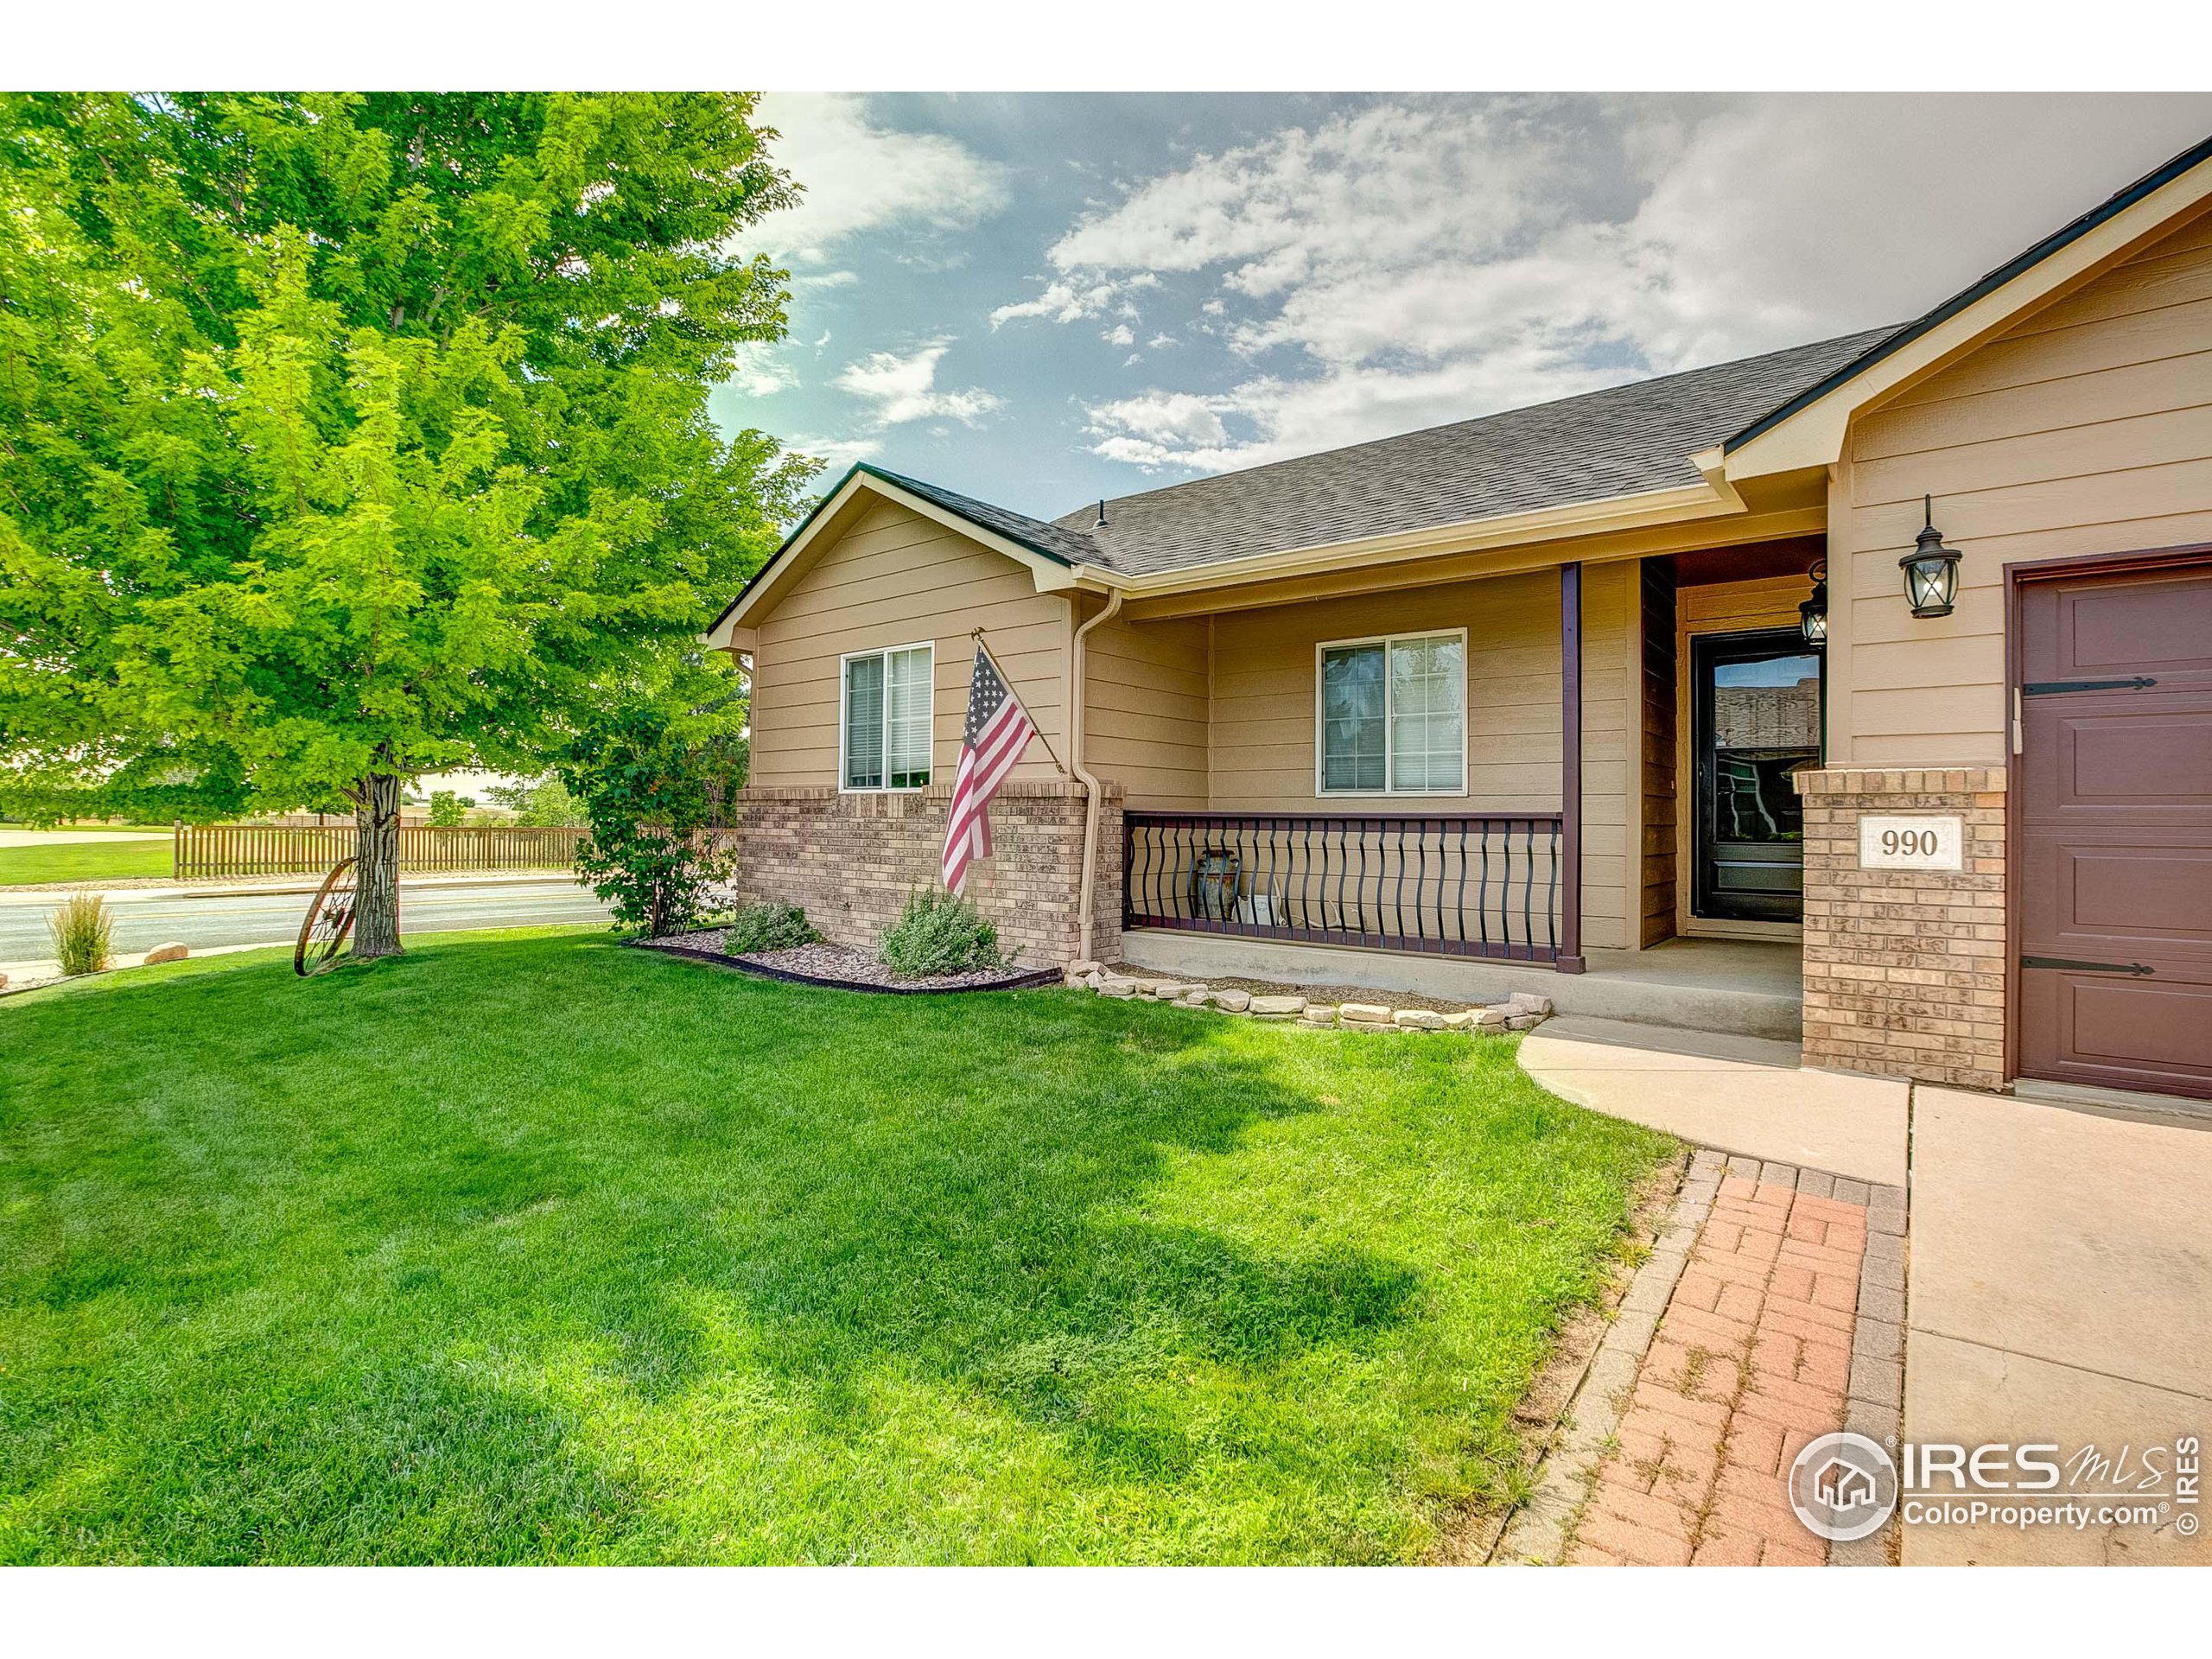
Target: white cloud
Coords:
[(1426, 260), (757, 373), (837, 453), (905, 388), (860, 177)]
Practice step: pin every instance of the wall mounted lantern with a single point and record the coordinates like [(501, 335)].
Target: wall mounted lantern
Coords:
[(1813, 614), (1931, 569)]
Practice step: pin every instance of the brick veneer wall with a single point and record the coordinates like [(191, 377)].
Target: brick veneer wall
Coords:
[(851, 860), (1905, 969)]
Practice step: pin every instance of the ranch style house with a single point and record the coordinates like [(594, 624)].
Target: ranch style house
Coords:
[(1860, 692)]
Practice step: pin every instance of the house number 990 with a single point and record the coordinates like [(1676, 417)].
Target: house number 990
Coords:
[(1931, 841)]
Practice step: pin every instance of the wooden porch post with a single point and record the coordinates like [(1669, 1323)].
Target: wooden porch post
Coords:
[(1570, 768)]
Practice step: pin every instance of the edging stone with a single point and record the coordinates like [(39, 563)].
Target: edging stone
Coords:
[(1521, 1011)]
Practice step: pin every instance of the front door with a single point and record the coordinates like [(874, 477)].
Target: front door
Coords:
[(2115, 805), (1757, 720)]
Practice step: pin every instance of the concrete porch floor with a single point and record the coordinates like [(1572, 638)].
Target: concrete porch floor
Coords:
[(1733, 987)]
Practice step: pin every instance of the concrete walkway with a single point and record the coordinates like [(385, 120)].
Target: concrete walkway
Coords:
[(2060, 1284), (2061, 1290), (1743, 1095)]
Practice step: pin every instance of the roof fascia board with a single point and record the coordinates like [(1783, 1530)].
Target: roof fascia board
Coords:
[(1607, 545), (1475, 535), (1812, 435)]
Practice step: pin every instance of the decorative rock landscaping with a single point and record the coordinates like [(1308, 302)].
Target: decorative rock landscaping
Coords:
[(1522, 1011)]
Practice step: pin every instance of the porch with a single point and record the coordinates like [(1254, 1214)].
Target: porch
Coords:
[(1597, 804)]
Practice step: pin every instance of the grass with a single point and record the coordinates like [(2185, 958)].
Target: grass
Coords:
[(85, 861), (539, 1248)]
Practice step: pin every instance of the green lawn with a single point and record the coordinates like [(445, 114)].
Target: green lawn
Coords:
[(540, 1248), (85, 861)]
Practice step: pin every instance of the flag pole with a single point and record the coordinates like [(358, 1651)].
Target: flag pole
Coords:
[(984, 646)]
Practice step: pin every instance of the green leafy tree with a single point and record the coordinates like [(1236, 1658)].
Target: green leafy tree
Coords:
[(348, 437)]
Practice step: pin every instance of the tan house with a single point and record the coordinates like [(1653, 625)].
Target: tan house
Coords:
[(1557, 696)]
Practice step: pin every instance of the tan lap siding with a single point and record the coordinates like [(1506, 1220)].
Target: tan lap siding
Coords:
[(1146, 717), (1264, 693), (2086, 428), (897, 579)]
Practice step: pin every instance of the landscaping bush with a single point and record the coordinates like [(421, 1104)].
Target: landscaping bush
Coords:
[(83, 932), (939, 933), (769, 927)]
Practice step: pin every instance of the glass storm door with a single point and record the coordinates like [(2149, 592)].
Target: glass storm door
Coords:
[(1757, 721)]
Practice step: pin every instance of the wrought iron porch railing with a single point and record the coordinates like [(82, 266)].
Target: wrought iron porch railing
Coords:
[(1450, 883)]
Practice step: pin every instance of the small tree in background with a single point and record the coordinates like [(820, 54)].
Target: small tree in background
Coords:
[(353, 437), (540, 804)]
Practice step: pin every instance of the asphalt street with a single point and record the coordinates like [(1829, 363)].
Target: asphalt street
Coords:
[(142, 922)]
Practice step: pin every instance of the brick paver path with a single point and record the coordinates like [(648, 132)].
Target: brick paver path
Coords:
[(1752, 1358)]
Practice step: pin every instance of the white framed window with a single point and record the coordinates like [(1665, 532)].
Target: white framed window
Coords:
[(1391, 714), (884, 722)]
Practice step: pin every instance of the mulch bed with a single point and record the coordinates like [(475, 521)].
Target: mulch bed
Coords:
[(842, 967)]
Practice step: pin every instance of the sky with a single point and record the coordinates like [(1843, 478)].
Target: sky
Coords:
[(1042, 299)]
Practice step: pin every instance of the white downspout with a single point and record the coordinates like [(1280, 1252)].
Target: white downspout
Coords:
[(1089, 782)]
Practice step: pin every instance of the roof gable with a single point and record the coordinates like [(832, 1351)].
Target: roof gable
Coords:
[(1807, 428), (1051, 555)]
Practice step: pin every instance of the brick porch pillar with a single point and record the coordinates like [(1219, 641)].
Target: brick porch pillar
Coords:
[(1905, 968)]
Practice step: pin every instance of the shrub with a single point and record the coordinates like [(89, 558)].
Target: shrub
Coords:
[(83, 932), (653, 879), (769, 927), (652, 790), (939, 933)]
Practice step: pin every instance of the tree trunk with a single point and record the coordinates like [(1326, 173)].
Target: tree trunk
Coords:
[(375, 867)]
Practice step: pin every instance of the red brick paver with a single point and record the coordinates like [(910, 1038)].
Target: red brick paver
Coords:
[(1752, 1359)]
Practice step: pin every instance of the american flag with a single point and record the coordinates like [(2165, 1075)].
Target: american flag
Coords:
[(999, 729)]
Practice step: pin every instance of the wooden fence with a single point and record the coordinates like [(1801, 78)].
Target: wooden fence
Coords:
[(304, 849)]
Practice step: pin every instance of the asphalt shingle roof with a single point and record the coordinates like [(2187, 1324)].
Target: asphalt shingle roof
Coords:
[(1624, 440)]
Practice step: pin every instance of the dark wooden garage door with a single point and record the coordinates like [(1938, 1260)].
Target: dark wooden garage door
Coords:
[(2116, 798)]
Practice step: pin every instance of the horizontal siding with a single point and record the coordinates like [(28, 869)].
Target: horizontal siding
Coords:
[(894, 579), (1146, 716), (2086, 428), (1264, 696)]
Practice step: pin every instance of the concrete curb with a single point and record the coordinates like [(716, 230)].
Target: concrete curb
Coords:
[(1536, 1534)]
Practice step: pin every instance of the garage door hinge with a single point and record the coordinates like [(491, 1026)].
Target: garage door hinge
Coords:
[(2053, 688), (2072, 966)]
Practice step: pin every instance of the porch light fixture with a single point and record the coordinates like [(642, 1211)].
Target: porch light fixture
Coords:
[(1931, 569), (1813, 614)]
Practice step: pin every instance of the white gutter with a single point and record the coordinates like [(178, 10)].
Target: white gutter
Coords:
[(1089, 782)]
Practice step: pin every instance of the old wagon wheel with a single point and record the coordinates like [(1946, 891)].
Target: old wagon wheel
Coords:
[(329, 919)]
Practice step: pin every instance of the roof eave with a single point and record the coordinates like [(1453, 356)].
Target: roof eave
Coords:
[(1048, 570)]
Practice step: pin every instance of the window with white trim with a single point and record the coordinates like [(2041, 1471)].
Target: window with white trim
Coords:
[(886, 703), (1393, 715)]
